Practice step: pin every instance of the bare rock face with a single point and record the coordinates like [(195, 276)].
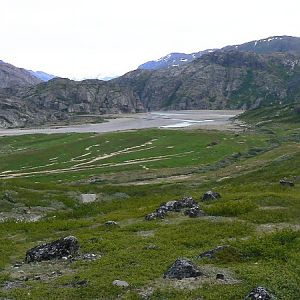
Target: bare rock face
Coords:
[(11, 76), (218, 80), (65, 247), (88, 96), (260, 293), (182, 268)]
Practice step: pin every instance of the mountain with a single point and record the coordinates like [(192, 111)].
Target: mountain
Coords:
[(268, 45), (221, 79), (173, 60), (218, 80), (60, 98), (13, 77), (42, 75)]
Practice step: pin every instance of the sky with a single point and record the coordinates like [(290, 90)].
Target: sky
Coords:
[(99, 38)]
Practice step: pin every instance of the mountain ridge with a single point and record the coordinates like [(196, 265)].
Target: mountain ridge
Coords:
[(270, 44), (219, 79)]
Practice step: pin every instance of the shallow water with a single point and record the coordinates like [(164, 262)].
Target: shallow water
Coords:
[(161, 119)]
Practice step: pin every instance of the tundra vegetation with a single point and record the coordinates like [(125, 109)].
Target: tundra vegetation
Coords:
[(54, 186)]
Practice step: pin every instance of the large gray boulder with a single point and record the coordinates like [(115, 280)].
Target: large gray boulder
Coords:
[(64, 247)]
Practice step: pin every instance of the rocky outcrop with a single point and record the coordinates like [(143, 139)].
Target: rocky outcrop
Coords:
[(260, 293), (84, 97), (188, 203), (182, 268), (65, 247), (15, 113)]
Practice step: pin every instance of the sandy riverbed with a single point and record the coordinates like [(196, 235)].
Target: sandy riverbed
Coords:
[(216, 119)]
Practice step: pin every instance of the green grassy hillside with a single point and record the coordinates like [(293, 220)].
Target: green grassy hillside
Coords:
[(43, 176)]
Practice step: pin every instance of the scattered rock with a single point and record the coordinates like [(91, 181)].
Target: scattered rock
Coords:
[(89, 256), (213, 252), (159, 214), (9, 285), (176, 205), (210, 195), (88, 198), (63, 248), (260, 293), (194, 212), (77, 283), (120, 283), (111, 223), (9, 196), (151, 247), (213, 143), (182, 268), (17, 265), (286, 182)]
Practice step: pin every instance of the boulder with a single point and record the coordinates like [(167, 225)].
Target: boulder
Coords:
[(164, 208), (210, 195), (120, 283), (259, 293), (182, 268), (64, 247)]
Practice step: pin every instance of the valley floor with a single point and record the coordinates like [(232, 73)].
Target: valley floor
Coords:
[(52, 186), (164, 119)]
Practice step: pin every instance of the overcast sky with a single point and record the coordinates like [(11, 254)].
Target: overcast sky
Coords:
[(83, 39)]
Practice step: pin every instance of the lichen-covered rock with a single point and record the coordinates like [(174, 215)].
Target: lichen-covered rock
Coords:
[(182, 268), (64, 247), (260, 293), (210, 195)]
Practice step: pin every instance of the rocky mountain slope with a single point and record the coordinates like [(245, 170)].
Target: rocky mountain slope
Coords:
[(87, 97), (173, 60), (267, 45), (271, 44), (230, 79), (42, 75), (222, 79), (11, 76)]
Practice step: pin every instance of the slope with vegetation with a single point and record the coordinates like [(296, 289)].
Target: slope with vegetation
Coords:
[(44, 179)]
